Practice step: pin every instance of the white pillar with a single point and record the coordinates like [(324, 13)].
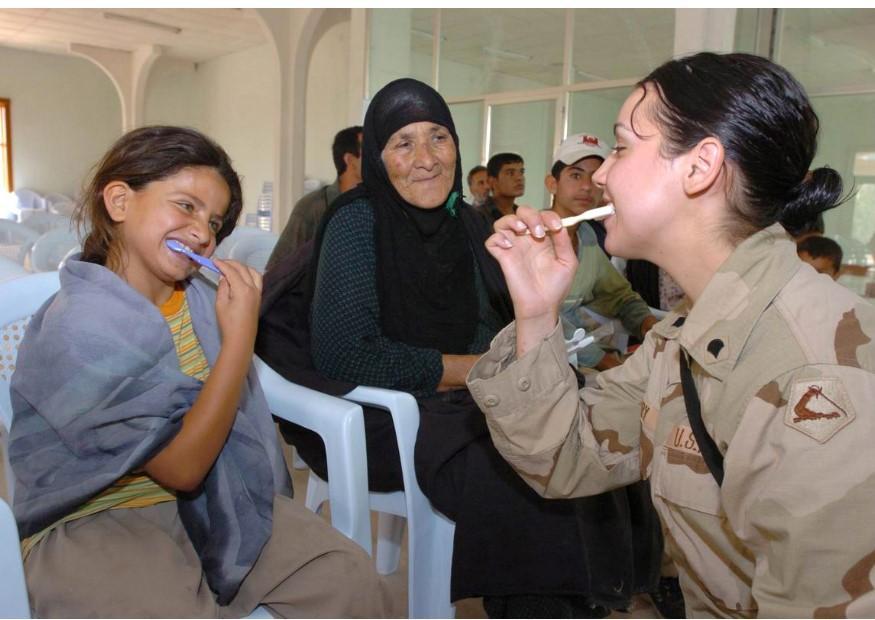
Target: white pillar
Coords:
[(358, 65), (699, 30), (128, 71), (291, 31)]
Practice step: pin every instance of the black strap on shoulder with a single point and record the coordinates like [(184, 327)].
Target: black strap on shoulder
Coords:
[(712, 456)]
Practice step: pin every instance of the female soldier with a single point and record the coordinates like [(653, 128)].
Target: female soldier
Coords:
[(744, 406)]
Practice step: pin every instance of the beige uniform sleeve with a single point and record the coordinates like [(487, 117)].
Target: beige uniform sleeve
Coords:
[(559, 443), (800, 493)]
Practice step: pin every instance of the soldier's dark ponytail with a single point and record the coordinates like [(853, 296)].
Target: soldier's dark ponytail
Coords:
[(767, 127), (820, 190)]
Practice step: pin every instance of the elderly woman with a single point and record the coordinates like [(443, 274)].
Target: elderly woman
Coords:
[(405, 297)]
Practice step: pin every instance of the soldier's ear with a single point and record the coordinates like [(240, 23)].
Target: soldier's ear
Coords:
[(702, 166)]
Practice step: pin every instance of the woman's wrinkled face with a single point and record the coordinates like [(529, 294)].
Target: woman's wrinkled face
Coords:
[(420, 159)]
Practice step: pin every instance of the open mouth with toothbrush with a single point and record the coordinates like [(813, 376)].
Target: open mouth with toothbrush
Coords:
[(178, 246)]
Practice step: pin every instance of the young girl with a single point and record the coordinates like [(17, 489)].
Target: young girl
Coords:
[(149, 480), (750, 409)]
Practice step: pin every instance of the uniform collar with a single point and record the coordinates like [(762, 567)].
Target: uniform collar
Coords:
[(715, 330)]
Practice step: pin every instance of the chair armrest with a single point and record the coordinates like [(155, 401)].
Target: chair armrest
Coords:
[(13, 591), (340, 424), (429, 532)]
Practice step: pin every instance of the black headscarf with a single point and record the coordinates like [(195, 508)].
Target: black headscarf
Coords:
[(425, 257)]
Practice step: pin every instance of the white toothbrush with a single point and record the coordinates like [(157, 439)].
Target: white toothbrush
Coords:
[(592, 214)]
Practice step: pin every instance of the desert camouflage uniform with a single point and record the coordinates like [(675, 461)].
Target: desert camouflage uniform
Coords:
[(783, 361)]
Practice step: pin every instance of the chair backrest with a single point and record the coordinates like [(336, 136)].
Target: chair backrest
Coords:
[(253, 249), (44, 221), (21, 298), (13, 590), (51, 248), (29, 199), (16, 240), (241, 232), (60, 204), (10, 269)]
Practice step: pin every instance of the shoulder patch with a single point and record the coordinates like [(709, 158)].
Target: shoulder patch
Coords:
[(819, 408)]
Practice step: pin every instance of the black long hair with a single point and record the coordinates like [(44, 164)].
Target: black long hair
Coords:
[(767, 127)]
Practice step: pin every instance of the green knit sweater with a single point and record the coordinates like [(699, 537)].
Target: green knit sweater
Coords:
[(346, 337)]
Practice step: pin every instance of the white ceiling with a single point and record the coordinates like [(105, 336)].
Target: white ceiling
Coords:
[(202, 33), (827, 49)]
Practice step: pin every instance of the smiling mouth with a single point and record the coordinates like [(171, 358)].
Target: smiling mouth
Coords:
[(432, 178)]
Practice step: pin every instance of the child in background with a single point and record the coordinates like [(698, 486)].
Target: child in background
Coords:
[(149, 479), (822, 253)]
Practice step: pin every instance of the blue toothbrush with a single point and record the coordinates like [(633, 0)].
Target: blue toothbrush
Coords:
[(177, 246)]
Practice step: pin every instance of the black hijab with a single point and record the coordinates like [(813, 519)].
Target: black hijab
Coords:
[(425, 257)]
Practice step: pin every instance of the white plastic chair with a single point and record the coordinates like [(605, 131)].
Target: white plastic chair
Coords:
[(430, 534), (30, 199), (240, 232), (52, 248), (13, 591), (60, 204), (254, 249), (44, 221), (341, 426), (21, 298), (16, 240), (10, 269)]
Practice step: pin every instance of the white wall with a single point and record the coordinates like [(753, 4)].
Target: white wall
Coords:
[(327, 100), (65, 114), (234, 99), (172, 94)]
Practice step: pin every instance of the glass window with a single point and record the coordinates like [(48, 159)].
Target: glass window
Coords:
[(611, 44), (847, 136), (400, 45), (747, 30), (595, 111), (500, 50), (468, 118), (829, 50), (527, 129)]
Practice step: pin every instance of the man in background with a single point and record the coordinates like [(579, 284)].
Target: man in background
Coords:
[(822, 253), (597, 285), (308, 211), (506, 175), (478, 185)]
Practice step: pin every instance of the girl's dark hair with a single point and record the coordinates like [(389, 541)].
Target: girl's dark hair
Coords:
[(768, 130), (139, 157)]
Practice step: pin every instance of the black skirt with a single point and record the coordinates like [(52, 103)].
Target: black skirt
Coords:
[(509, 540)]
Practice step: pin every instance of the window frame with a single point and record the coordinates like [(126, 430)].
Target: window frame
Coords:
[(6, 145)]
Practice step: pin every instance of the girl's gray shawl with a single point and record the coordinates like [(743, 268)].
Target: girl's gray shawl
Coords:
[(98, 391)]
